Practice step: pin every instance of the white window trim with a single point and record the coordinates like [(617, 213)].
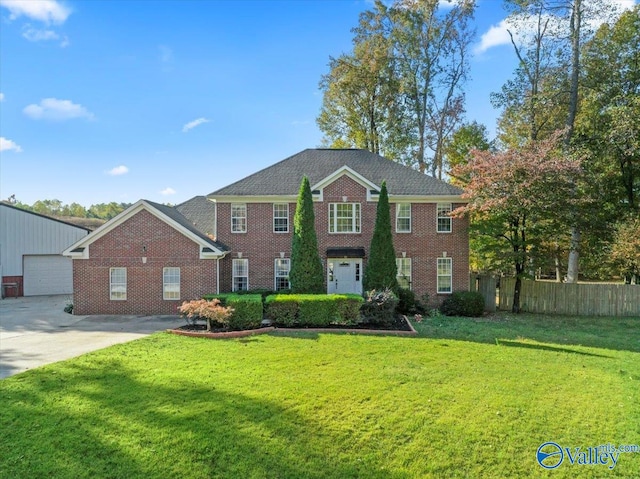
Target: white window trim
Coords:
[(449, 206), (244, 205), (245, 261), (112, 284), (333, 207), (280, 217), (275, 273), (409, 276), (398, 217), (450, 276), (165, 283)]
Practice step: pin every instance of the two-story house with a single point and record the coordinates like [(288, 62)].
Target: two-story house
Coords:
[(152, 257)]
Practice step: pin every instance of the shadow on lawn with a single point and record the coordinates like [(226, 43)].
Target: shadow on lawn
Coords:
[(619, 334), (542, 347), (100, 420)]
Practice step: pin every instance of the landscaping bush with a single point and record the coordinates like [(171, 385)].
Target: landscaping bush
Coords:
[(463, 303), (247, 309), (348, 308), (313, 310), (379, 307), (211, 311), (282, 310), (408, 303)]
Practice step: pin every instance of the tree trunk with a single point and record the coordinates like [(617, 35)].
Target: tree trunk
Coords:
[(576, 23), (574, 255), (515, 308)]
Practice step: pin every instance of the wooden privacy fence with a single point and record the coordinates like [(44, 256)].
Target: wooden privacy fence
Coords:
[(486, 286), (621, 300)]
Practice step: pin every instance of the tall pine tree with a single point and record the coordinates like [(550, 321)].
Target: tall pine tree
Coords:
[(306, 275), (381, 270)]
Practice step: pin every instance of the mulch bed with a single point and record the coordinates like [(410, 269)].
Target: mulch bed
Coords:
[(399, 327)]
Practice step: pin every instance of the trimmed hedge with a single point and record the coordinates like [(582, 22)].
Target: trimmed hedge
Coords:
[(313, 310), (247, 309), (463, 303)]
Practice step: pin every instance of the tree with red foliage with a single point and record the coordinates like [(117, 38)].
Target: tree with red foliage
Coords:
[(518, 196)]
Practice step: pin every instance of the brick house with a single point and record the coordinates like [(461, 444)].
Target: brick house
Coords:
[(252, 221), (254, 218)]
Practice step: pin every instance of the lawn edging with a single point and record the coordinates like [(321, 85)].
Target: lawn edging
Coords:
[(221, 334), (251, 332)]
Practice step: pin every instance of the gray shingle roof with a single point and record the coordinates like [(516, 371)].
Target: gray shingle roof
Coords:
[(284, 177), (201, 212), (179, 218)]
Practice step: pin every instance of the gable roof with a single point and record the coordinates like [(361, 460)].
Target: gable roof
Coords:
[(284, 177), (170, 215)]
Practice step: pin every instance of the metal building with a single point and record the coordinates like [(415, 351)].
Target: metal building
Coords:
[(31, 244)]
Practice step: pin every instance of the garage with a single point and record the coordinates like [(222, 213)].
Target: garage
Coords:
[(46, 274)]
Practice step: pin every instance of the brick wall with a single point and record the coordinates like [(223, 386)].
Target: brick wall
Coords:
[(123, 247), (261, 246)]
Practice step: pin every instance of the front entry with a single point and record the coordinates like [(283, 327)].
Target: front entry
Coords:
[(344, 275)]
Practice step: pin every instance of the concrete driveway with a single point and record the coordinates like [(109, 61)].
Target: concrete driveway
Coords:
[(35, 331)]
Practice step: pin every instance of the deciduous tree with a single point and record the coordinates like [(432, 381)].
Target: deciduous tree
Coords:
[(513, 194)]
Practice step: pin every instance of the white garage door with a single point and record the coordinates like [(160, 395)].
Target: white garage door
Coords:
[(47, 274)]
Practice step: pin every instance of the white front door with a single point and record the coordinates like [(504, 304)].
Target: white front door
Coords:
[(344, 276)]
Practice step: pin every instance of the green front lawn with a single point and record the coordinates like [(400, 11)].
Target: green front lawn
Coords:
[(468, 398)]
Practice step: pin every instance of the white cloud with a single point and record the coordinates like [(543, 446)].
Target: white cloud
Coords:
[(46, 11), (495, 36), (37, 35), (1, 96), (118, 170), (168, 191), (523, 26), (8, 145), (54, 109), (193, 124)]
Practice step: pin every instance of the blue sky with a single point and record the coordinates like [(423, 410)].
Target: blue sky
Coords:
[(108, 100)]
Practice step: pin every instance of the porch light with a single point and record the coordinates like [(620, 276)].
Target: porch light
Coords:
[(239, 254), (281, 254), (144, 260)]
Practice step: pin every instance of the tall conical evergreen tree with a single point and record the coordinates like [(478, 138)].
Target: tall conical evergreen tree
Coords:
[(306, 275), (381, 269)]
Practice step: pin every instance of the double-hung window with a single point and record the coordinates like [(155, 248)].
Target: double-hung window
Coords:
[(171, 283), (238, 218), (281, 217), (404, 272), (445, 270), (344, 217), (283, 265), (240, 274), (118, 284), (444, 217), (403, 218)]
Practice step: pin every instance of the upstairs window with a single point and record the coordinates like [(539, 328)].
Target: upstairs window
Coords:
[(171, 283), (403, 218), (238, 218), (240, 274), (280, 217), (444, 217), (118, 284), (344, 217)]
